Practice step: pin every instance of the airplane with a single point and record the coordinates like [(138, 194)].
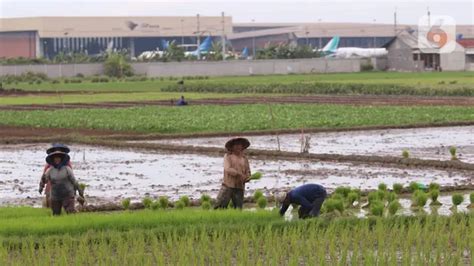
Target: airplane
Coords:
[(202, 49), (331, 50)]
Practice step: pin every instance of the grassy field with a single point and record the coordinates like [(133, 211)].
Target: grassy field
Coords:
[(436, 79), (241, 118), (199, 237), (113, 97)]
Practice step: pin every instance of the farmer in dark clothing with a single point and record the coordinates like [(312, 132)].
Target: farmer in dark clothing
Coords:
[(236, 174), (63, 183), (310, 197), (182, 101)]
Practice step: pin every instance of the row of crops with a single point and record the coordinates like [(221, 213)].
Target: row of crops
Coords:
[(197, 237), (244, 117), (314, 87)]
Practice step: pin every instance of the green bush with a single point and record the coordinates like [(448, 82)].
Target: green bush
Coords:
[(116, 66)]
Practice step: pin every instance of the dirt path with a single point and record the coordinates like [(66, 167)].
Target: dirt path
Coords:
[(310, 99)]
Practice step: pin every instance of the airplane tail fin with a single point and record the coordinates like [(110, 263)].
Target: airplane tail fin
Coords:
[(332, 45)]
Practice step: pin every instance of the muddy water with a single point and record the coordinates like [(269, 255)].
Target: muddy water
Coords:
[(424, 143), (113, 174)]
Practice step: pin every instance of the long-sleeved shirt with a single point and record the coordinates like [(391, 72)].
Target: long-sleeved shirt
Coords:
[(304, 195), (236, 171), (63, 182)]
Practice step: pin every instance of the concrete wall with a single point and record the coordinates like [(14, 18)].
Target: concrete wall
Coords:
[(179, 69), (454, 61), (54, 71), (258, 67)]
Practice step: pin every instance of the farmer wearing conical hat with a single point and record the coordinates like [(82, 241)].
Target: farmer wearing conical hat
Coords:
[(236, 174), (47, 186), (63, 183)]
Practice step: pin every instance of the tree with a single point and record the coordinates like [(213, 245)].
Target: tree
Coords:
[(116, 66)]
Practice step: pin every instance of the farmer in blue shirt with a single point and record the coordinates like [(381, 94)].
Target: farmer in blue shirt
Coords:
[(310, 197)]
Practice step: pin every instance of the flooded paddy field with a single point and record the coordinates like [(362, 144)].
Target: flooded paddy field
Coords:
[(115, 174), (423, 143)]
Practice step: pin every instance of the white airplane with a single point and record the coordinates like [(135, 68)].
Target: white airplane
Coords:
[(331, 50)]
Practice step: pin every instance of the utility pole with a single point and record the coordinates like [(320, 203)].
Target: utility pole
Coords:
[(223, 37), (198, 32), (395, 22)]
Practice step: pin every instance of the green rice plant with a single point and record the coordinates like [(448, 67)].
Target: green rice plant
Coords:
[(155, 205), (457, 199), (256, 176), (433, 186), (380, 195), (383, 187), (82, 186), (185, 200), (471, 199), (126, 203), (164, 202), (397, 188), (419, 199), (262, 202), (452, 151), (257, 194), (405, 154), (344, 191), (337, 196), (339, 205), (206, 205), (434, 194), (179, 204), (393, 207), (331, 205), (414, 186), (147, 201), (205, 198), (377, 208), (351, 198), (372, 197), (391, 196)]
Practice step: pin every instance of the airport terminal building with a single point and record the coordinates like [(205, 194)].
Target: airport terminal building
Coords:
[(48, 36)]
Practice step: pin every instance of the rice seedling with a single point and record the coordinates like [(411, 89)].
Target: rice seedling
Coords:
[(419, 199), (382, 187), (147, 201), (457, 199), (405, 154), (351, 198), (155, 205), (377, 208), (185, 200), (179, 204), (381, 195), (256, 176), (397, 188), (471, 199), (344, 191), (393, 207), (391, 196), (433, 186), (257, 195), (414, 186), (205, 198), (164, 202), (452, 151), (434, 194), (206, 205), (262, 202), (372, 197), (126, 203)]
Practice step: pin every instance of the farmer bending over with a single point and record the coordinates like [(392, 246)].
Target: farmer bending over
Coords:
[(236, 174), (309, 196), (63, 183)]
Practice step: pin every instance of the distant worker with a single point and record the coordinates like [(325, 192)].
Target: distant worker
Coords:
[(182, 102), (310, 197), (63, 183), (236, 174), (47, 190)]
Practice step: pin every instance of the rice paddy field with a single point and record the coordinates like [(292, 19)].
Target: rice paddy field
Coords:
[(394, 150)]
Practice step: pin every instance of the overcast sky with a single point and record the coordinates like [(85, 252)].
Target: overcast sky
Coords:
[(408, 12)]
